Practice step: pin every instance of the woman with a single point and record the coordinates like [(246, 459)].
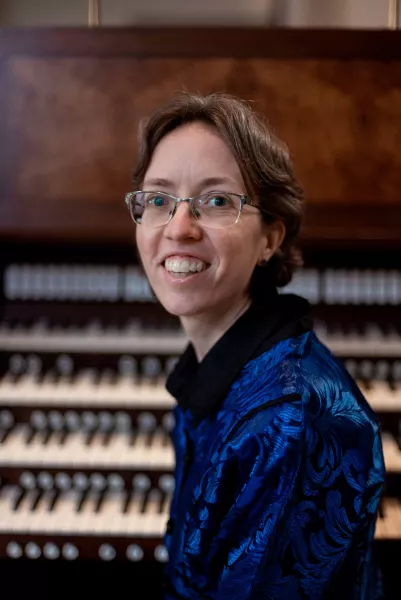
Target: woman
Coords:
[(279, 465)]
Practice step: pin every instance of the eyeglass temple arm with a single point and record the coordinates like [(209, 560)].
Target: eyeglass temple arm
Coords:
[(245, 200)]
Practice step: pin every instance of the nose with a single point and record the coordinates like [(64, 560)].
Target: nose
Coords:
[(183, 225)]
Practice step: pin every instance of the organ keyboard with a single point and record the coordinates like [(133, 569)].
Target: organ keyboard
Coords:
[(86, 459), (82, 389), (369, 342), (389, 525), (85, 456)]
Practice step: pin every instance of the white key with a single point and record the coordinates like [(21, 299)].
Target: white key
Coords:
[(24, 514), (381, 529), (109, 519), (8, 495), (48, 384), (105, 386), (84, 387), (37, 450), (74, 447), (158, 455), (63, 517), (118, 449), (397, 395), (14, 440), (130, 521), (392, 454), (38, 517), (24, 387), (61, 389), (380, 396), (135, 505), (397, 529), (7, 386), (141, 449), (76, 452), (87, 518), (153, 522), (94, 448), (390, 526), (151, 394)]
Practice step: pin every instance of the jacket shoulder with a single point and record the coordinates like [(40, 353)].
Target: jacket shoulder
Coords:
[(301, 368)]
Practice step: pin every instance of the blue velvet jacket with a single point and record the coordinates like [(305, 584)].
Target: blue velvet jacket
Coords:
[(279, 468)]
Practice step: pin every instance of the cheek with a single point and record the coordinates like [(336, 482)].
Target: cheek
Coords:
[(146, 247), (238, 254)]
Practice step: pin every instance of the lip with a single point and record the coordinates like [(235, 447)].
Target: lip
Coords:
[(181, 281), (183, 255)]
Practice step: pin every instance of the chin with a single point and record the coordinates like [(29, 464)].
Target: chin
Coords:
[(183, 307), (178, 309)]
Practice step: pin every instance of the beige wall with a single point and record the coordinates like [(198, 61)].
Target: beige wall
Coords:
[(338, 13), (297, 13)]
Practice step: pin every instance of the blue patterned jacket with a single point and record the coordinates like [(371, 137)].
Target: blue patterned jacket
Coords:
[(279, 468)]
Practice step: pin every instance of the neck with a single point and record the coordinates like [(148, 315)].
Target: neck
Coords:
[(205, 330)]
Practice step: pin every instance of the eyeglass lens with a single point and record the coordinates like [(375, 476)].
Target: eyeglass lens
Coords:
[(215, 209)]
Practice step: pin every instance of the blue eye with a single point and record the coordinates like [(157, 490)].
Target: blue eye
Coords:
[(217, 201), (157, 201)]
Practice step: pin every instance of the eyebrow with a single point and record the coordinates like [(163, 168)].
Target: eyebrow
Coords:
[(207, 182)]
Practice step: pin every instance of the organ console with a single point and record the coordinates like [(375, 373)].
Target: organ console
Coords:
[(86, 462)]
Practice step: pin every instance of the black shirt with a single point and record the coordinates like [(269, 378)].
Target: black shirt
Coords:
[(201, 387)]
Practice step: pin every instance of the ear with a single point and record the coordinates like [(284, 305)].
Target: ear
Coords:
[(275, 233)]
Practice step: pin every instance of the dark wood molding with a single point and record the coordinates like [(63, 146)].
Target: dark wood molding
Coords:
[(375, 225), (239, 42)]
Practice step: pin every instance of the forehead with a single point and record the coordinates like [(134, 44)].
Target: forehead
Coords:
[(193, 150)]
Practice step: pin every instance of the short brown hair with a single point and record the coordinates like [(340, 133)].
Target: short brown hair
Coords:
[(262, 158)]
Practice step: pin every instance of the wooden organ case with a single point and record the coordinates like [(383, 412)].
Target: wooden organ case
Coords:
[(86, 463)]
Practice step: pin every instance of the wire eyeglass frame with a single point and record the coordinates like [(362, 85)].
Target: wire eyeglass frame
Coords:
[(243, 200)]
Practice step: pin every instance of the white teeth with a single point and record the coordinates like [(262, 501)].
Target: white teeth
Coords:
[(175, 265)]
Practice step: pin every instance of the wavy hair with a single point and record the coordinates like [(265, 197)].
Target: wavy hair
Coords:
[(263, 160)]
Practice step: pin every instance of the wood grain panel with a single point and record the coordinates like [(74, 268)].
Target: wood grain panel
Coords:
[(68, 123), (74, 121)]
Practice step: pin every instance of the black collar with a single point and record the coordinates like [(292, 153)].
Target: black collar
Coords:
[(201, 387)]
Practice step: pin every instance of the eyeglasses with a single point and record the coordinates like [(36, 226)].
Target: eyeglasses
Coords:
[(215, 210)]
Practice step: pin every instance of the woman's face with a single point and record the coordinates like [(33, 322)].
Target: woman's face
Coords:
[(224, 258)]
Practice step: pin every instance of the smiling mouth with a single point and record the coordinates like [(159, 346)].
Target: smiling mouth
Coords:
[(181, 268)]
